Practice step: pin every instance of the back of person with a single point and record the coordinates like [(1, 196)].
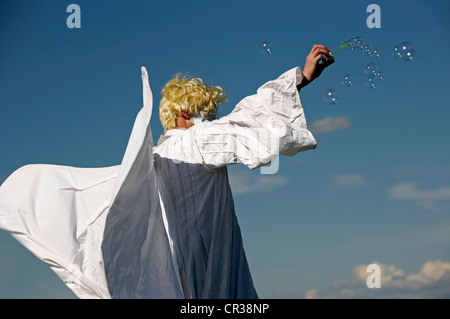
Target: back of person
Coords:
[(201, 223)]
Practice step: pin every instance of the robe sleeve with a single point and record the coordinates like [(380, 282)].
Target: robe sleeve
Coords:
[(262, 126)]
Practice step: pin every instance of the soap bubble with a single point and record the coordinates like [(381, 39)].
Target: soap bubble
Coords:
[(376, 53), (371, 82), (331, 96), (358, 42), (367, 49), (351, 44), (347, 80), (379, 76), (405, 51), (396, 52), (371, 69), (266, 47)]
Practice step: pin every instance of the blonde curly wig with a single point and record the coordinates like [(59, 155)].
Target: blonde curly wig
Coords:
[(192, 96)]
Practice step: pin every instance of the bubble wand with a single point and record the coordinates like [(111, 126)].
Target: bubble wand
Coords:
[(345, 44)]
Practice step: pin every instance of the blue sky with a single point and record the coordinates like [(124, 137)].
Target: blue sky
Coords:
[(376, 188)]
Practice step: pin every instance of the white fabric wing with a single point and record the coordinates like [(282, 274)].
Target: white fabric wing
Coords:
[(59, 212)]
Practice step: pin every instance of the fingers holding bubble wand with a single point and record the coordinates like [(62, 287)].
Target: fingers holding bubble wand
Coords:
[(317, 60)]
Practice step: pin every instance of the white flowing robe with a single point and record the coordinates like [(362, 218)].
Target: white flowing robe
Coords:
[(162, 223)]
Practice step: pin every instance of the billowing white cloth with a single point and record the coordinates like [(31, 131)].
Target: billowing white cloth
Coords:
[(162, 224)]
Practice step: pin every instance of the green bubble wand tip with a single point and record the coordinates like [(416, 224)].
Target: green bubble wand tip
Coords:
[(345, 44)]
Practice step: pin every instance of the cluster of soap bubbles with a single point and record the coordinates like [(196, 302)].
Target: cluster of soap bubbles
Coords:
[(358, 43), (373, 75), (405, 51)]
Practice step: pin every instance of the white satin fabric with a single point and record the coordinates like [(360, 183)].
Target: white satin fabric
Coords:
[(162, 223)]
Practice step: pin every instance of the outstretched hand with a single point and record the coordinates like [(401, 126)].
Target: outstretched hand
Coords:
[(318, 59)]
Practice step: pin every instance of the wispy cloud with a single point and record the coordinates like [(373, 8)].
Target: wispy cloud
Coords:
[(432, 281), (349, 180), (242, 183), (329, 124), (425, 197)]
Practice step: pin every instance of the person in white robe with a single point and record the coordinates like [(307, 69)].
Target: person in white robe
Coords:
[(161, 224)]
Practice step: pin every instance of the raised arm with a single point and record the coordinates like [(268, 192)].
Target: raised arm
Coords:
[(262, 126)]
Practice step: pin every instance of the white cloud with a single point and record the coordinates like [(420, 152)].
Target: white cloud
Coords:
[(350, 180), (329, 124), (242, 183), (425, 197), (432, 281), (311, 294)]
